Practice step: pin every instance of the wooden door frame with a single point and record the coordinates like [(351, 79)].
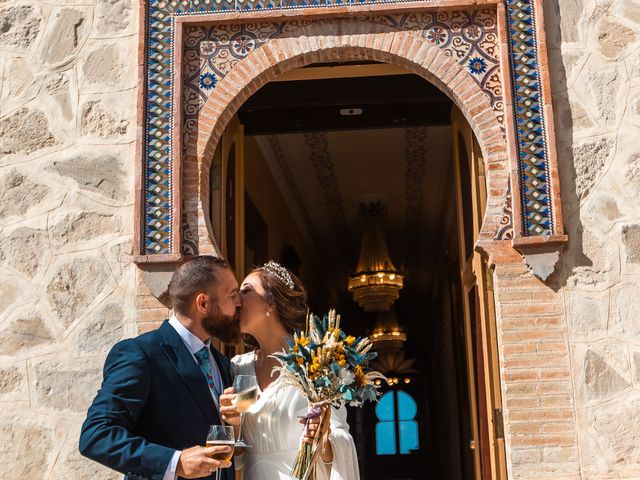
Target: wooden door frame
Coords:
[(484, 397), (233, 136)]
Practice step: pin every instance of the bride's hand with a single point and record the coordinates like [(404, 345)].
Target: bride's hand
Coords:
[(311, 429), (228, 411)]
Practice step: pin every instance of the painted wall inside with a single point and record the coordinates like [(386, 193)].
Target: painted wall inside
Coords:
[(282, 228)]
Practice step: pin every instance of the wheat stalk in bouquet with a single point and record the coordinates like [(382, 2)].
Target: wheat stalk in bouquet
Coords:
[(330, 368)]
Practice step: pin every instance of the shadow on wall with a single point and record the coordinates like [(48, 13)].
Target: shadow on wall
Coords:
[(573, 255)]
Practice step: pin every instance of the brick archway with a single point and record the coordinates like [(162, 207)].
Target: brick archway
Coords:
[(344, 40), (530, 324)]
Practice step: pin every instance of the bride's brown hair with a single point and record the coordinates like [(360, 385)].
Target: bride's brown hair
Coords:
[(289, 303)]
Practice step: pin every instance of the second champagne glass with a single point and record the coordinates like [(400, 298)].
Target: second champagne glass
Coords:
[(246, 394), (221, 436)]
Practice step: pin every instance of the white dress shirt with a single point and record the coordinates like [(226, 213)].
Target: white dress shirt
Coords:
[(194, 345)]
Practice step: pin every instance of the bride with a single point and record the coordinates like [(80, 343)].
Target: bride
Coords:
[(274, 304)]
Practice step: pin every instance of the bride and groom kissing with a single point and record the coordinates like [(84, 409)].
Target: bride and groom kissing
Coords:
[(164, 390)]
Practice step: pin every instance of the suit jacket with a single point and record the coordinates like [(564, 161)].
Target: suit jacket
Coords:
[(153, 400)]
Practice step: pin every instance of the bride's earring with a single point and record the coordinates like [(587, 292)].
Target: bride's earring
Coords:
[(268, 313)]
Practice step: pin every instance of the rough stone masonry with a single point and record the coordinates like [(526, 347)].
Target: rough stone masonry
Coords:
[(67, 115)]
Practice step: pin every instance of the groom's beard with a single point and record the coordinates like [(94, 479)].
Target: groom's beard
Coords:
[(226, 328)]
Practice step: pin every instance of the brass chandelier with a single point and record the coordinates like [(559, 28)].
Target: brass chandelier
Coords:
[(376, 283)]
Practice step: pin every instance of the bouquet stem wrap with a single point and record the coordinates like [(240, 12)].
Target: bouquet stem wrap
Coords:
[(304, 466)]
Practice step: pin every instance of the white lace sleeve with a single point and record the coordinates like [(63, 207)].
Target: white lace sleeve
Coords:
[(345, 459)]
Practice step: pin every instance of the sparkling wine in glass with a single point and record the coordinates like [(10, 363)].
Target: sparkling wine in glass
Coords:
[(221, 436), (246, 394)]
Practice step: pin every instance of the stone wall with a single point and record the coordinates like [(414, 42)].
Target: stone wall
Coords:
[(595, 74), (570, 347), (67, 129)]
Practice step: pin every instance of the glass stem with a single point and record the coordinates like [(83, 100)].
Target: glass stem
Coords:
[(240, 439)]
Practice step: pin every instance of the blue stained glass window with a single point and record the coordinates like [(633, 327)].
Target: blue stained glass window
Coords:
[(385, 438), (407, 427), (408, 436), (385, 409), (407, 408)]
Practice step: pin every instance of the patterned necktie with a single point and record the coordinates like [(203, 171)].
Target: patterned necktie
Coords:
[(202, 356)]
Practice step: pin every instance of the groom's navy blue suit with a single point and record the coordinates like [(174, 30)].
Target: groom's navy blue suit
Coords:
[(154, 400)]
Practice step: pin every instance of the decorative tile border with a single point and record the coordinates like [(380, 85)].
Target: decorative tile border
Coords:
[(468, 34), (505, 230), (529, 119), (210, 52)]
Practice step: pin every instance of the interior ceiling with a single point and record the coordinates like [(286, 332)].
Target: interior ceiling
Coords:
[(325, 172), (326, 175), (345, 104)]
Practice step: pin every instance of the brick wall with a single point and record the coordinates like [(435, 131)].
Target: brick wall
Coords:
[(539, 414)]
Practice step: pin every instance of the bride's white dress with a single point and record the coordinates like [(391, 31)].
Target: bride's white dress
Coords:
[(273, 428)]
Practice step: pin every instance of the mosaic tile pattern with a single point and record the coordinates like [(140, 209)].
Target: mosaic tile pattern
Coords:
[(535, 195), (212, 51), (468, 36), (505, 230), (209, 55)]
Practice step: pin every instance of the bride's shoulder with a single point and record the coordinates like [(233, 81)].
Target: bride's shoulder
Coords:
[(242, 361)]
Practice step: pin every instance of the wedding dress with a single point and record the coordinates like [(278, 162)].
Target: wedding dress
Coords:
[(273, 428)]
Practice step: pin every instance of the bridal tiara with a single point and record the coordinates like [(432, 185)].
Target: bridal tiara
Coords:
[(279, 271)]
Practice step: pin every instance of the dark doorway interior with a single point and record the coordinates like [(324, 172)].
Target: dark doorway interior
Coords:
[(301, 127)]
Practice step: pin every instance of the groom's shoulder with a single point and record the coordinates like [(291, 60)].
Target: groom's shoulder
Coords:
[(151, 337), (144, 343)]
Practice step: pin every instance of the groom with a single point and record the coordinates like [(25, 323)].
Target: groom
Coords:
[(160, 391)]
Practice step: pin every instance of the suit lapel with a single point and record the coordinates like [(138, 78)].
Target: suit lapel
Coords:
[(188, 370)]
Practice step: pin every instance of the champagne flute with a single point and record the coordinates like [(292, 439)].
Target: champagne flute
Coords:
[(246, 394), (221, 436)]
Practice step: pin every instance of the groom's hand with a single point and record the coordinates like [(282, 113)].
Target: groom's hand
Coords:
[(196, 462), (228, 411)]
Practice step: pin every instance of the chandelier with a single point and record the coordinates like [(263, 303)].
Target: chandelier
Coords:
[(376, 283), (388, 337)]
